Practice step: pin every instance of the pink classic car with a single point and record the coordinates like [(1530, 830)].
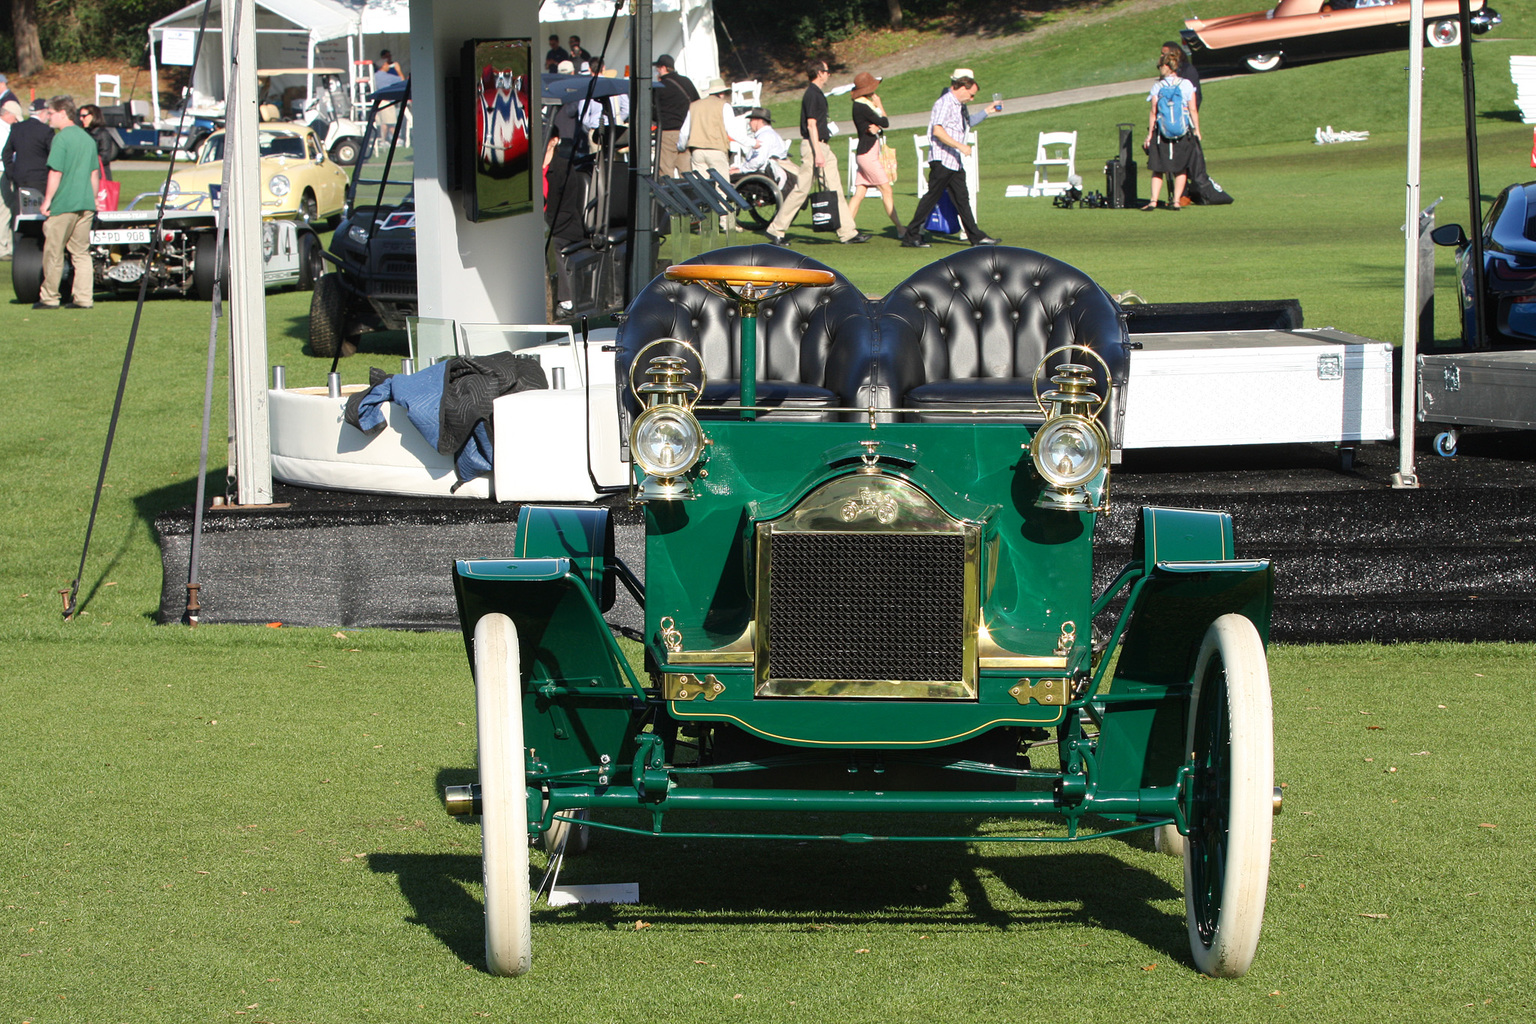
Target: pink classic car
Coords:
[(1306, 30)]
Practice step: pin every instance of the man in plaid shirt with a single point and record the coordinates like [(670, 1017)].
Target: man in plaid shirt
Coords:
[(947, 127)]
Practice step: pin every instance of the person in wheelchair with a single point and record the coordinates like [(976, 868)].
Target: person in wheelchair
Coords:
[(769, 155)]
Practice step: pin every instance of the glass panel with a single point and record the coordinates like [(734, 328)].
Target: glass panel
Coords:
[(431, 338), (553, 345)]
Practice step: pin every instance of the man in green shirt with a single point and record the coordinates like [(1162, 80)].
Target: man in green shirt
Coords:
[(69, 203)]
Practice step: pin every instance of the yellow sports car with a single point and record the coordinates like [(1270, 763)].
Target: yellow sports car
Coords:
[(298, 177)]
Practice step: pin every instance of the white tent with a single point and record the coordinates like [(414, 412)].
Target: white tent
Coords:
[(683, 28), (290, 34)]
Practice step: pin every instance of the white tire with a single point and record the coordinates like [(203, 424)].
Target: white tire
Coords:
[(1226, 854), (1445, 32), (503, 797), (1262, 62)]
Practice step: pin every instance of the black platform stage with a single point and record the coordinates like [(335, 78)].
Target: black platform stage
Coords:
[(1355, 560)]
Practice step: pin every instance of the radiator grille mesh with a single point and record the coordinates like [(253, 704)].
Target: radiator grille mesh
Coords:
[(876, 606)]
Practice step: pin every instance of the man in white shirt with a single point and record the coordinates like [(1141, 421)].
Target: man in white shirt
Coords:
[(593, 113), (10, 113), (948, 124), (768, 153)]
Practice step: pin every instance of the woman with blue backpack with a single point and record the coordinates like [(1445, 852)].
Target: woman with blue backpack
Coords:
[(1173, 130)]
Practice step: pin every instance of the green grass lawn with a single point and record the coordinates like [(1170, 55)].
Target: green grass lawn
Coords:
[(244, 823)]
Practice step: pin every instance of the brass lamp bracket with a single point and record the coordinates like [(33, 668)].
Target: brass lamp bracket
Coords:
[(686, 686), (1048, 692)]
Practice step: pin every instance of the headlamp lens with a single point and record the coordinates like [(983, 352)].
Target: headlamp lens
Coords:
[(667, 441), (1068, 452)]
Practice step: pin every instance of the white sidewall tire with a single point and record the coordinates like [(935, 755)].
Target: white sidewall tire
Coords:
[(503, 797), (1445, 32), (1250, 811), (1262, 62)]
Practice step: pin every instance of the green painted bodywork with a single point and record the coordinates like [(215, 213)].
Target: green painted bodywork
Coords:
[(1122, 730), (1036, 568)]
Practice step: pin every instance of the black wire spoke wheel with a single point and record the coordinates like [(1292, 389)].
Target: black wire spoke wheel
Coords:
[(1231, 798), (762, 197)]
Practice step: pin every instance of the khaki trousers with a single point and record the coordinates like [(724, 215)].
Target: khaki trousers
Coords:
[(806, 184), (705, 160), (672, 162), (71, 232)]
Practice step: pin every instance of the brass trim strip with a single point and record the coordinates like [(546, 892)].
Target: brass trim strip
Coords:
[(718, 657), (737, 652), (991, 655), (1023, 661)]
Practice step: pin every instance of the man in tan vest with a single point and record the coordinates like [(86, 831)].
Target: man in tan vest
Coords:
[(708, 133)]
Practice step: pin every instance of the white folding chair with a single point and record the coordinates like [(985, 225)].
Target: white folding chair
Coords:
[(1055, 149), (109, 88), (747, 94)]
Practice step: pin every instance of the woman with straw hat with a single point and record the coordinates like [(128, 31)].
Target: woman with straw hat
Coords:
[(870, 167)]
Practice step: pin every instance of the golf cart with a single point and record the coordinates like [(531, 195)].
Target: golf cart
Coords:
[(868, 589), (373, 286)]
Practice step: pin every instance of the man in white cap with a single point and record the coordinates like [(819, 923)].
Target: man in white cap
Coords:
[(709, 130), (947, 126)]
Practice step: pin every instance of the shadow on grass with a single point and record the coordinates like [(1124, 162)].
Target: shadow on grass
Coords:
[(810, 885), (435, 885)]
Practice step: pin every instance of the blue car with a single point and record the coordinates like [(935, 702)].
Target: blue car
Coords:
[(1508, 300)]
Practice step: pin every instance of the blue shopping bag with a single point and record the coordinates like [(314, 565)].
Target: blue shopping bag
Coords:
[(944, 220)]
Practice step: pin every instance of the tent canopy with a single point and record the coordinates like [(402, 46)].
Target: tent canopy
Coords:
[(683, 28), (296, 34)]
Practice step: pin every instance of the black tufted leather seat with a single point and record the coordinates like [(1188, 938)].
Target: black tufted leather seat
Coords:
[(967, 331), (808, 341)]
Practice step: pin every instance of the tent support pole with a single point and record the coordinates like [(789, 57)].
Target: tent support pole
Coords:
[(1405, 477)]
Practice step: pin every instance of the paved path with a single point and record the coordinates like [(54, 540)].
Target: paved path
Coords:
[(1044, 101)]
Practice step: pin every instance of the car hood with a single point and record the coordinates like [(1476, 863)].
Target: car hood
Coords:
[(198, 178)]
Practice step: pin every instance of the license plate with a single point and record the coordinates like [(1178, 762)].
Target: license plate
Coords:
[(120, 236)]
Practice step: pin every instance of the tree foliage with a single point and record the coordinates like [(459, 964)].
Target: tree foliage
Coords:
[(72, 30), (804, 23)]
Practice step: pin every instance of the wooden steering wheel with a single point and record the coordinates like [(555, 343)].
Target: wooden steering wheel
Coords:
[(749, 285)]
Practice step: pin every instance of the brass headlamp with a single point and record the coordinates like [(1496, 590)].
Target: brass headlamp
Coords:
[(1070, 450), (666, 439)]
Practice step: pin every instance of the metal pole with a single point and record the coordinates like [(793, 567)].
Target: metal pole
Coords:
[(642, 235), (1479, 337), (1405, 477), (251, 440)]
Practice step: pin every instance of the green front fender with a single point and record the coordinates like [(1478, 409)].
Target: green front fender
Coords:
[(581, 700), (1185, 580)]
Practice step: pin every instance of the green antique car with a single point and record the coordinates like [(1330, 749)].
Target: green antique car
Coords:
[(867, 587)]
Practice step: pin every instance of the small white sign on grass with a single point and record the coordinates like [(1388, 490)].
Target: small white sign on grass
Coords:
[(606, 892)]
